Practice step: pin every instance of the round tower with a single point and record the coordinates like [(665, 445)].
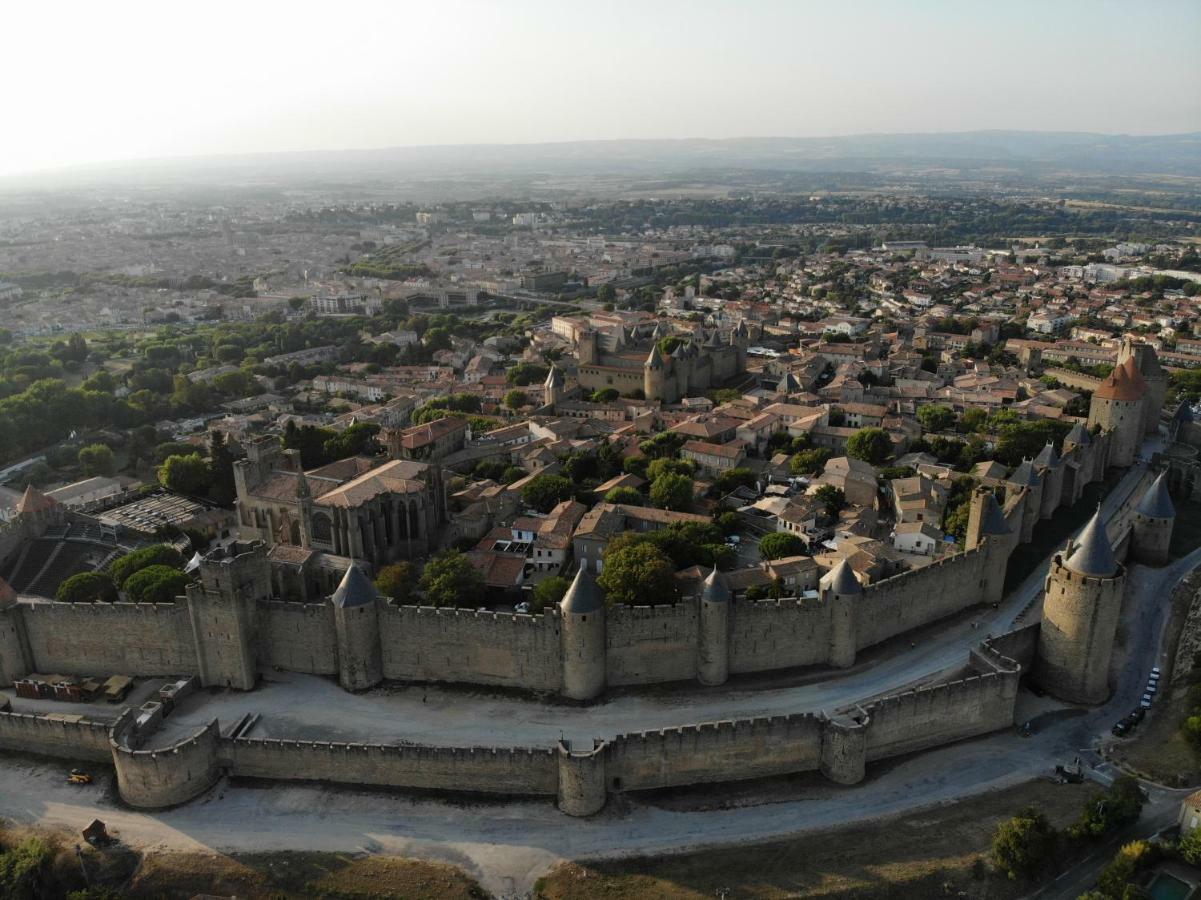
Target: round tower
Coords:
[(1153, 520), (653, 375), (713, 642), (581, 778), (583, 612), (1050, 471), (1082, 600), (356, 624), (844, 748), (1117, 406), (841, 591)]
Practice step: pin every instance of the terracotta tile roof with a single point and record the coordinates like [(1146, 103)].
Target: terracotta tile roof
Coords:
[(395, 477), (34, 501)]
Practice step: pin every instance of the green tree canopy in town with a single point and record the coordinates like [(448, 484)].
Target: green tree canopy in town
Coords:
[(637, 573), (780, 544), (449, 579), (155, 584), (672, 492), (87, 587), (543, 492), (870, 445)]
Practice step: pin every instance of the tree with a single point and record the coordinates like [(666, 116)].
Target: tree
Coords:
[(672, 492), (449, 579), (155, 584), (543, 492), (1190, 847), (1024, 847), (185, 474), (637, 572), (154, 555), (87, 587), (627, 495), (397, 581), (832, 498), (809, 462), (935, 417), (1106, 811), (438, 339), (222, 490), (780, 544), (23, 869), (668, 466), (731, 479), (356, 440), (548, 592), (606, 395), (1116, 878), (515, 399), (870, 444), (97, 459)]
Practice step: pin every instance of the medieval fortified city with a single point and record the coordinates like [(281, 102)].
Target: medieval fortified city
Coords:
[(508, 514)]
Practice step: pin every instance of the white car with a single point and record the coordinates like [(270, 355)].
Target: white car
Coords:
[(1152, 687), (1155, 671), (1145, 703)]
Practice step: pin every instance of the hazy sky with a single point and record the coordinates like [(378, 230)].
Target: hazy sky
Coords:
[(88, 81)]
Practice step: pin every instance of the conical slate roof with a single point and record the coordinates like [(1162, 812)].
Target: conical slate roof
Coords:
[(1156, 503), (1093, 554), (1079, 436), (1025, 475), (1047, 457), (841, 579), (715, 589), (584, 596), (992, 521), (655, 360), (788, 384), (1184, 413), (712, 340), (355, 590), (554, 378)]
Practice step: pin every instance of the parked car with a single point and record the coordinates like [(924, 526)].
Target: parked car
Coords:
[(1145, 703), (1152, 687), (1120, 729), (1137, 715)]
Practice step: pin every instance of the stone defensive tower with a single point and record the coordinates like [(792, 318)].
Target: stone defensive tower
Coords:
[(1117, 406), (14, 654), (653, 380), (1026, 477), (222, 612), (841, 591), (987, 528), (1153, 520), (1077, 450), (1142, 361), (583, 612), (713, 645), (356, 624), (1049, 467), (552, 388), (1081, 605)]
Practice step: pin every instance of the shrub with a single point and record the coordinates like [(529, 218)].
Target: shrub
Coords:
[(155, 584), (1024, 847), (154, 555), (21, 870), (780, 544), (87, 587)]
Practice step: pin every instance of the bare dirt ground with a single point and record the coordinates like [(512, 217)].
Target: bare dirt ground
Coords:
[(255, 876), (935, 852)]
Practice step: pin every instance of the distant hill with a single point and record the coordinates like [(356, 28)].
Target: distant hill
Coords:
[(1023, 153)]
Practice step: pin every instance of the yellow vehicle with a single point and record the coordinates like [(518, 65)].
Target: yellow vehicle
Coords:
[(78, 776)]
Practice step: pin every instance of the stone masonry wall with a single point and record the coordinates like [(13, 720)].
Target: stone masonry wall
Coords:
[(427, 644), (469, 769), (648, 644), (714, 751), (912, 599), (54, 737), (781, 634), (96, 638), (298, 637)]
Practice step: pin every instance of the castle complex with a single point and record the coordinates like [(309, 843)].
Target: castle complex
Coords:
[(694, 366), (232, 625)]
